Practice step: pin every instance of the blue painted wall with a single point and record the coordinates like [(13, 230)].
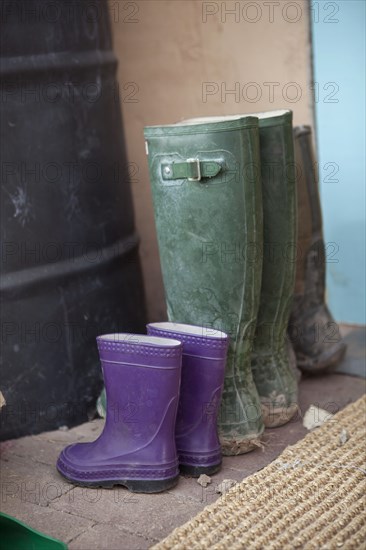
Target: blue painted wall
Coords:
[(338, 30)]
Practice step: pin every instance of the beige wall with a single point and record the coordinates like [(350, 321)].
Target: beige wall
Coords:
[(169, 50)]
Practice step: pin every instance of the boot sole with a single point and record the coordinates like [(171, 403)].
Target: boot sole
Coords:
[(326, 363), (233, 447), (273, 418), (133, 485), (196, 471)]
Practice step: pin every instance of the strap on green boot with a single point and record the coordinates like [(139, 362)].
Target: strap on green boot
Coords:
[(313, 331), (273, 361), (207, 201)]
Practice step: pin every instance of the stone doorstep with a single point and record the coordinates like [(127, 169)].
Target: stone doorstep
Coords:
[(33, 491)]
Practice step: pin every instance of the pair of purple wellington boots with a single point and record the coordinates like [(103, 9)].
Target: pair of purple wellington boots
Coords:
[(163, 396)]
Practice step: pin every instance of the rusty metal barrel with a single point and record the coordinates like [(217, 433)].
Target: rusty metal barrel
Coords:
[(69, 252)]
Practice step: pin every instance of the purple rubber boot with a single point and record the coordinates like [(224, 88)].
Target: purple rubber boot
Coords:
[(137, 446), (203, 369)]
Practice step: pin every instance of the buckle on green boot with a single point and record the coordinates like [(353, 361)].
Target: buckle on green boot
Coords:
[(193, 169), (196, 163)]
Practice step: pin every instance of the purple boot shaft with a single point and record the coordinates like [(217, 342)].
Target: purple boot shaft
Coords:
[(137, 447), (203, 369)]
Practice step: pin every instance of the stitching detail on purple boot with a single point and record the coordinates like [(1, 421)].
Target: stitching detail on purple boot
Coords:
[(219, 343), (136, 350), (120, 473)]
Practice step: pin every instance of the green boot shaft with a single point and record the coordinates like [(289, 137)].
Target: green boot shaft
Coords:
[(207, 202), (273, 375)]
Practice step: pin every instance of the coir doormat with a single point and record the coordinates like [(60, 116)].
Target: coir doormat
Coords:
[(312, 496)]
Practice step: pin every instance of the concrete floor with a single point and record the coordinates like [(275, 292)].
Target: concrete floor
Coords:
[(90, 519)]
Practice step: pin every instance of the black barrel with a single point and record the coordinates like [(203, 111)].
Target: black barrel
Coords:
[(69, 252)]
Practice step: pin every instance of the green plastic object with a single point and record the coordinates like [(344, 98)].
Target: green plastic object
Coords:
[(274, 362), (102, 404), (16, 535), (205, 180)]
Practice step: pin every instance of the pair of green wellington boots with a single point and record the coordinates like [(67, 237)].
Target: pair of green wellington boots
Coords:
[(224, 196), (224, 192)]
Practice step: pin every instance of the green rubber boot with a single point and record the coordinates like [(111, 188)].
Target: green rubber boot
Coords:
[(207, 201), (273, 361)]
